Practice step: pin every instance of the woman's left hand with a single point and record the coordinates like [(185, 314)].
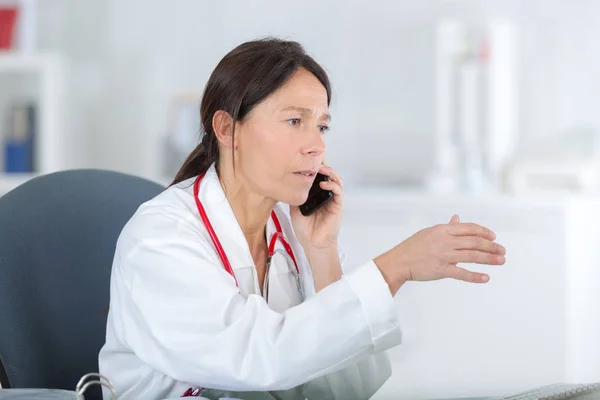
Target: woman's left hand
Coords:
[(320, 230)]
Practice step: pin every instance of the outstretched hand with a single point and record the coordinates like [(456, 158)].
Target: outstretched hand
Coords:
[(433, 253)]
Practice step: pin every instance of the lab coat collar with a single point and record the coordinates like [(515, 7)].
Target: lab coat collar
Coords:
[(225, 223)]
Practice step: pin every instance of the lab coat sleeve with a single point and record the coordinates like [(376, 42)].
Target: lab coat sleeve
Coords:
[(182, 314), (361, 379)]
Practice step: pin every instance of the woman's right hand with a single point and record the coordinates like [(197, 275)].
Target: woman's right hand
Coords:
[(433, 253)]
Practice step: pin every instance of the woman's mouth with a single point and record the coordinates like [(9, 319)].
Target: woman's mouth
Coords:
[(306, 175)]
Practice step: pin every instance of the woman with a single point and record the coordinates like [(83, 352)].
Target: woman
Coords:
[(196, 310)]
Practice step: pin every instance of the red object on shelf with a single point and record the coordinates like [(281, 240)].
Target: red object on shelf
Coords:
[(8, 18)]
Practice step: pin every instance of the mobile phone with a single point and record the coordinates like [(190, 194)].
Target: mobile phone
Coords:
[(317, 196)]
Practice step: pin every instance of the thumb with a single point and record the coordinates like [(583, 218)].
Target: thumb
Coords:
[(455, 219)]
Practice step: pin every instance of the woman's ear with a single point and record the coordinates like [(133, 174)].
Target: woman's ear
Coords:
[(223, 126)]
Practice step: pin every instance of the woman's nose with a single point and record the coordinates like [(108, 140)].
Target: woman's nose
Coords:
[(316, 144)]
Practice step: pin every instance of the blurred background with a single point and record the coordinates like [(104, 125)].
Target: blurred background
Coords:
[(435, 93), (487, 108)]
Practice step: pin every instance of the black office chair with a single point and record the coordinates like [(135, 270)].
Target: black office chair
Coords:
[(57, 239)]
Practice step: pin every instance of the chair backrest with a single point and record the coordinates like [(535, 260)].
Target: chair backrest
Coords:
[(57, 240)]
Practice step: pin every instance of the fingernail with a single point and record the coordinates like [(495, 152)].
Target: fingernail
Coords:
[(485, 278)]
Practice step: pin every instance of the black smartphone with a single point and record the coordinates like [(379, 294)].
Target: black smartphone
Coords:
[(317, 196)]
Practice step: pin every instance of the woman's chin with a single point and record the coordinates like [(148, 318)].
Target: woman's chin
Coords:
[(297, 200)]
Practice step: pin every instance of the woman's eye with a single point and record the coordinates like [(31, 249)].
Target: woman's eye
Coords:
[(323, 128), (294, 121)]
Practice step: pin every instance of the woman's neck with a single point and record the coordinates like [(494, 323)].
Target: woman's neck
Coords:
[(251, 210)]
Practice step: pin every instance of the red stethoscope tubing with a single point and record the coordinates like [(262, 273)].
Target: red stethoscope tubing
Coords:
[(222, 255)]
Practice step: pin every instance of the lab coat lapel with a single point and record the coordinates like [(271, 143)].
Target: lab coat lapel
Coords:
[(227, 229)]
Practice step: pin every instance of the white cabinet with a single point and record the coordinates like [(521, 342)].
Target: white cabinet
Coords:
[(535, 322), (53, 149)]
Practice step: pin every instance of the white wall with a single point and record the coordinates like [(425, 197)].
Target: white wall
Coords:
[(129, 56)]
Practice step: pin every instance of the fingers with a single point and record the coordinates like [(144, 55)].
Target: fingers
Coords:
[(468, 276), (476, 249), (333, 186), (335, 183), (455, 219), (478, 243), (332, 175), (470, 229), (476, 257)]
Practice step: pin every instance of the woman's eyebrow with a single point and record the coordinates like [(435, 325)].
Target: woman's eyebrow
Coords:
[(305, 110)]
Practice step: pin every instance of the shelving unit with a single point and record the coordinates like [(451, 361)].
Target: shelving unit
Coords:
[(51, 145)]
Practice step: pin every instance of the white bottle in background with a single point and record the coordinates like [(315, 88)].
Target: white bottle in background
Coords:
[(476, 106), (501, 100), (27, 26), (445, 175), (470, 127)]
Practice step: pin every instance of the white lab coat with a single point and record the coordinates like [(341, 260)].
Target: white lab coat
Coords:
[(177, 319)]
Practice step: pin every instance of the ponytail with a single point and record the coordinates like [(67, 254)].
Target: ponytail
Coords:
[(199, 160)]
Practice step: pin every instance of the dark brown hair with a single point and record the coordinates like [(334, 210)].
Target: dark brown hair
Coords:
[(243, 79)]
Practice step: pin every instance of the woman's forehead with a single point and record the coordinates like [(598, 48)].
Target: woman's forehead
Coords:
[(303, 92)]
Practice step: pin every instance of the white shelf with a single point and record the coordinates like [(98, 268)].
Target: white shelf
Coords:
[(11, 61), (54, 149), (9, 181)]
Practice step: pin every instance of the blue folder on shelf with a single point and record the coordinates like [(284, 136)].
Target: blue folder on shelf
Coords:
[(19, 141)]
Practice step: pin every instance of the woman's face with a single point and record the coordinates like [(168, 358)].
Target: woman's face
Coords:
[(280, 144)]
